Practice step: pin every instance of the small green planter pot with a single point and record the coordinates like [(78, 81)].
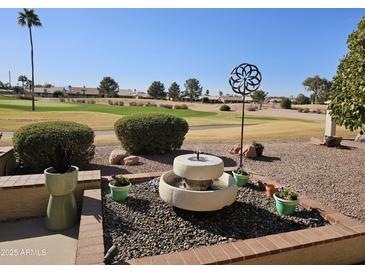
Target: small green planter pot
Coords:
[(119, 194), (241, 180), (285, 207)]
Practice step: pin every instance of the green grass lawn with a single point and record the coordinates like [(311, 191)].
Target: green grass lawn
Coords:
[(41, 106)]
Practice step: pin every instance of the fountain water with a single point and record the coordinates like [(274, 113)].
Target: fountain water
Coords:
[(198, 183)]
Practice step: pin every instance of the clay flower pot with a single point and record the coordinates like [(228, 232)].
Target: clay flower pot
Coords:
[(270, 189)]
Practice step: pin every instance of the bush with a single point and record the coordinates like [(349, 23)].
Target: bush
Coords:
[(120, 103), (149, 104), (166, 106), (62, 100), (285, 103), (300, 110), (140, 104), (132, 104), (306, 110), (111, 102), (252, 108), (183, 106), (318, 111), (225, 108), (151, 132), (34, 144), (91, 101)]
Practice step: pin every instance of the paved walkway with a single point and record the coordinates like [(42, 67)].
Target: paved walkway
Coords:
[(27, 241)]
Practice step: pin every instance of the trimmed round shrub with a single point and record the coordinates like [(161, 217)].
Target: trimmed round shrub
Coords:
[(34, 144), (285, 103), (225, 108), (146, 133)]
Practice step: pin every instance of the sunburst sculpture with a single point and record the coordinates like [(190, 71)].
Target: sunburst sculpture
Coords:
[(244, 79)]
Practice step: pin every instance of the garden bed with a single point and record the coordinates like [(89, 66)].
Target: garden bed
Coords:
[(146, 226)]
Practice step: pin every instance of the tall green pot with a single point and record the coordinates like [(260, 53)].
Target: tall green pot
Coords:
[(62, 210)]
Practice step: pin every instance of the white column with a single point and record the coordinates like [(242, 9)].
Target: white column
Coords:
[(330, 129)]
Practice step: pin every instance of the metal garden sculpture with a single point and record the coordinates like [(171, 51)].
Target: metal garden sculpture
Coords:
[(244, 79)]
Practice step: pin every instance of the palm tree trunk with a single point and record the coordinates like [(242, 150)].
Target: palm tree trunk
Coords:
[(31, 56)]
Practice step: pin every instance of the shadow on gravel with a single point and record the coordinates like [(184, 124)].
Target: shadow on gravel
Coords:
[(243, 221), (267, 159), (346, 147), (136, 204), (106, 170), (169, 158)]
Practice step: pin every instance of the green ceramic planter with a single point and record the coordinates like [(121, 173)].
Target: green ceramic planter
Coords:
[(119, 193), (62, 210), (285, 207), (241, 180)]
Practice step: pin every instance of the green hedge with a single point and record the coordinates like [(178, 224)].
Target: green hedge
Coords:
[(34, 144), (225, 108), (285, 103), (146, 133)]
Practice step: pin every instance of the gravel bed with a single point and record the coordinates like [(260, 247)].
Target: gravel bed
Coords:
[(145, 226), (334, 177)]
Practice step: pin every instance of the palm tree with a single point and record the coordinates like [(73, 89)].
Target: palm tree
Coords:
[(30, 19)]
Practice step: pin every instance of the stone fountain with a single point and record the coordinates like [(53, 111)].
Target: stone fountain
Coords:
[(198, 183)]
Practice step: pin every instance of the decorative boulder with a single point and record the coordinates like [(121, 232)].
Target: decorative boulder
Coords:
[(332, 141), (249, 151), (117, 156), (236, 149), (131, 160), (360, 138)]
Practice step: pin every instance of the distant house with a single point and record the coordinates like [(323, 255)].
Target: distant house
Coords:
[(82, 92), (210, 99), (142, 95), (125, 93), (47, 92), (229, 99)]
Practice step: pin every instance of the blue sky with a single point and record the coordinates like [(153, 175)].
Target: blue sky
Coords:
[(137, 46)]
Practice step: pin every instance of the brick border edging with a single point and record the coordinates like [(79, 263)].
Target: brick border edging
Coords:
[(90, 244), (91, 247)]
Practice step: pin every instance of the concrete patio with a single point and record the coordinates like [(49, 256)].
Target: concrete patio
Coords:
[(27, 241)]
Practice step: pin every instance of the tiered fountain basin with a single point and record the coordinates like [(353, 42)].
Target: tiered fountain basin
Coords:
[(198, 183)]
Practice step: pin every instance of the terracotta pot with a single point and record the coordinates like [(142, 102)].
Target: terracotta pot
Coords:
[(270, 189)]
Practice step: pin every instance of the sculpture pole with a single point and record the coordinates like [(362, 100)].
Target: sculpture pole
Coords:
[(244, 79)]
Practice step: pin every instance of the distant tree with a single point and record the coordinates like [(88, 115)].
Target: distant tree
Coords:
[(57, 93), (23, 79), (30, 19), (348, 89), (157, 90), (301, 99), (28, 85), (108, 87), (207, 92), (192, 88), (259, 97), (319, 86), (285, 103), (4, 85), (174, 92), (220, 93)]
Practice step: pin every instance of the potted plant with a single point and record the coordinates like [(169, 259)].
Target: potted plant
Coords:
[(241, 176), (61, 181), (119, 187), (286, 201), (259, 148)]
